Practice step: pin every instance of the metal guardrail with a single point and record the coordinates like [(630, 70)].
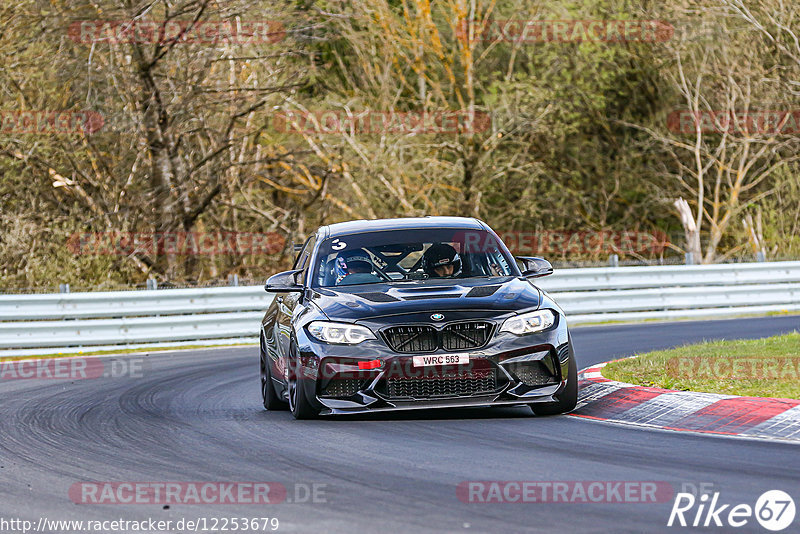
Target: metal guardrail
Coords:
[(132, 303), (68, 322)]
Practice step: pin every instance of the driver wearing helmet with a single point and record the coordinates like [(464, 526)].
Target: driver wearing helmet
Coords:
[(354, 267), (441, 261)]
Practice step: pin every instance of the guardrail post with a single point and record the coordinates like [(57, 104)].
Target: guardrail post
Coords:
[(63, 288), (689, 258), (613, 260), (152, 283), (233, 280)]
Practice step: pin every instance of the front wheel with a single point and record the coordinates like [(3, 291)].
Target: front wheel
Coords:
[(298, 401), (568, 399), (270, 398)]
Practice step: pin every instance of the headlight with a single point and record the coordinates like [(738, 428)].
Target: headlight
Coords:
[(528, 323), (340, 333)]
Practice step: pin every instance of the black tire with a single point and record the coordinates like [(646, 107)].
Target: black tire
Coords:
[(268, 394), (568, 399), (299, 404)]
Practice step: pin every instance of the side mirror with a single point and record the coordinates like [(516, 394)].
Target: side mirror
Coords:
[(285, 282), (534, 267)]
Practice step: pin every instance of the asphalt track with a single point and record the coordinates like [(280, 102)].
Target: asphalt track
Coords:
[(196, 416)]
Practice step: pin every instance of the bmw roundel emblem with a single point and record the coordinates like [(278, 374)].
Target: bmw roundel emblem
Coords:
[(437, 316)]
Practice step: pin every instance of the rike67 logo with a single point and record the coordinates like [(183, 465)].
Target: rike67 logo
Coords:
[(774, 510)]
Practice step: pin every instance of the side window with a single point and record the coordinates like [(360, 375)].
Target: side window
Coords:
[(303, 258)]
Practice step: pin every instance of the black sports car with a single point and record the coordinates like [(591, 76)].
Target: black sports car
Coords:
[(400, 314)]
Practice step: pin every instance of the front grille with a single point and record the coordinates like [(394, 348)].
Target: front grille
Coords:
[(465, 335), (412, 338), (452, 384), (342, 387), (532, 373), (421, 338)]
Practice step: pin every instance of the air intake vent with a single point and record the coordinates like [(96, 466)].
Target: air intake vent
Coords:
[(439, 296), (377, 297), (454, 384), (532, 373), (482, 291), (344, 387)]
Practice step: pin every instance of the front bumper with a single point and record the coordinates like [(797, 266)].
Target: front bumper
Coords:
[(509, 370)]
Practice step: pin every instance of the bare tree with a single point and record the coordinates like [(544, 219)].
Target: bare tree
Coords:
[(182, 86), (777, 21), (726, 141), (422, 59)]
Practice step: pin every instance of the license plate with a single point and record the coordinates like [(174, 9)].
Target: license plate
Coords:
[(441, 359)]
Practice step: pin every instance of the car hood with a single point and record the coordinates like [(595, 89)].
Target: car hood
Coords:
[(498, 295)]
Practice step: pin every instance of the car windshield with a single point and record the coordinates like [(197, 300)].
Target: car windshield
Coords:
[(410, 254)]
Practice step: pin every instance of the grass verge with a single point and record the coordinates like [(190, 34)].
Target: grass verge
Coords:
[(768, 367)]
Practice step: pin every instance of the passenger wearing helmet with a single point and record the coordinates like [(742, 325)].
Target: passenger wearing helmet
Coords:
[(354, 267), (441, 261)]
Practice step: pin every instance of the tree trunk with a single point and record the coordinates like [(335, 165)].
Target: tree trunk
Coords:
[(690, 229)]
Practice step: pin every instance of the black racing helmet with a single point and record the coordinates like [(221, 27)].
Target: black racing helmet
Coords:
[(439, 255)]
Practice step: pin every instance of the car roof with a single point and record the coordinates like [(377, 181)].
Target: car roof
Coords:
[(404, 223)]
